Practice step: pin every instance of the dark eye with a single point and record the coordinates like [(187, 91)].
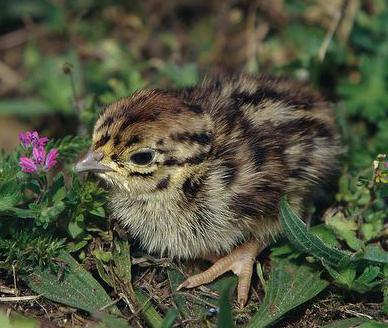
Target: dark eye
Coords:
[(143, 157)]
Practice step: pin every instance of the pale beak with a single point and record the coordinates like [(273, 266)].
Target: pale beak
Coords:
[(91, 163)]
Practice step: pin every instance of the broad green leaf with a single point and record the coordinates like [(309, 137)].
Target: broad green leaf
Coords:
[(346, 230), (298, 235), (326, 234), (77, 287), (374, 253), (289, 286)]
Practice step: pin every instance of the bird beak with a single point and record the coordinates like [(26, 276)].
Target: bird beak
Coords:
[(91, 163)]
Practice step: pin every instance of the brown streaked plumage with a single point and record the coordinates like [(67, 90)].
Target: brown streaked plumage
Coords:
[(199, 172)]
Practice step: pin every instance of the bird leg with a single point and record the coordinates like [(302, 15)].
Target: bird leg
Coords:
[(240, 261)]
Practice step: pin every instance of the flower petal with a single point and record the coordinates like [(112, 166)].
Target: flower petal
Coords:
[(25, 138), (39, 155), (51, 159), (28, 165)]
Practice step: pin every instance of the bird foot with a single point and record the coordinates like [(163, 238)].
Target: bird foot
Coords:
[(240, 261)]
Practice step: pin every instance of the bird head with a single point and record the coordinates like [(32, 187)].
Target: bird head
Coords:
[(149, 142)]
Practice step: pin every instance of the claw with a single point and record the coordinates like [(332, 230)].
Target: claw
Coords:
[(240, 261)]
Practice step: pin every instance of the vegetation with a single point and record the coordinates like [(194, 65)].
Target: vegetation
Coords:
[(62, 62)]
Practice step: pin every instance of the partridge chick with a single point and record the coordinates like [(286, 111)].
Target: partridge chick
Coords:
[(199, 172)]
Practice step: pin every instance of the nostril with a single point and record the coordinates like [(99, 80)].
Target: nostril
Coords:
[(98, 155)]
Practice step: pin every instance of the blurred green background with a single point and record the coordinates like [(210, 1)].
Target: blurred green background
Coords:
[(112, 48)]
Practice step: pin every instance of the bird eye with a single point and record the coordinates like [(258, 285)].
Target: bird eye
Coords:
[(143, 157)]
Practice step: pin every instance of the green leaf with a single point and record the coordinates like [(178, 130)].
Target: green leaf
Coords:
[(111, 321), (289, 286), (346, 230), (281, 250), (104, 256), (298, 235), (152, 316), (225, 319), (367, 280), (76, 226), (169, 319), (72, 247), (77, 287), (375, 254), (17, 321), (10, 195), (345, 276), (98, 211), (57, 190), (326, 234), (175, 278), (347, 323), (122, 260), (385, 289)]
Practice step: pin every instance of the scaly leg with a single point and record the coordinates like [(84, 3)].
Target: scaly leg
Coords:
[(240, 261)]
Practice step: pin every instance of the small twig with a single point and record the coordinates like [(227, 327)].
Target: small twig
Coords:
[(68, 70), (7, 290), (196, 298), (359, 315), (110, 304), (15, 279), (128, 302), (338, 17), (19, 298), (44, 309)]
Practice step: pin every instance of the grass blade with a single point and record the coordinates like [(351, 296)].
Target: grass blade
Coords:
[(175, 278), (169, 319), (225, 319), (150, 314), (351, 322), (110, 321)]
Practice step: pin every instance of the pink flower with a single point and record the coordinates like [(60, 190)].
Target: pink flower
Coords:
[(51, 159), (39, 155), (38, 160), (32, 139), (36, 141), (28, 165), (25, 139)]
